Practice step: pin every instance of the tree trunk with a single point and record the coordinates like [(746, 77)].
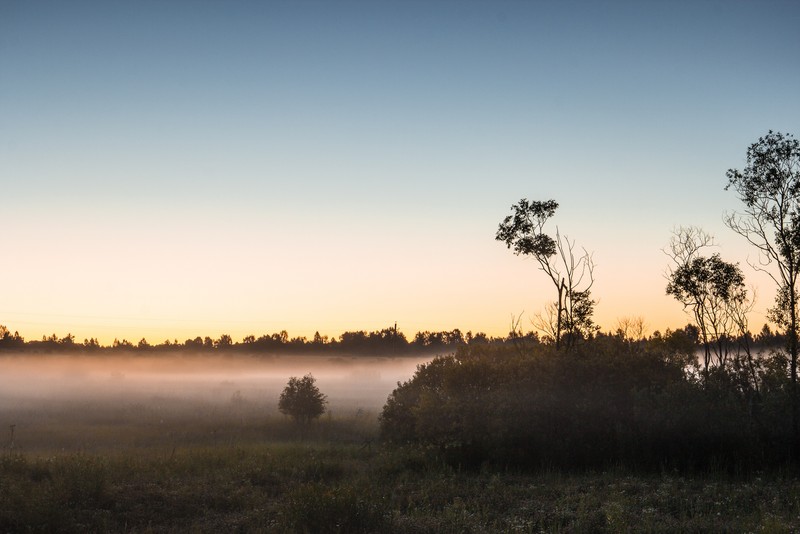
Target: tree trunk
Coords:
[(793, 371), (560, 313)]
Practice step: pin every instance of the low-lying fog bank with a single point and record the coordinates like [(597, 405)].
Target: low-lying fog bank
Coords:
[(56, 402), (345, 380)]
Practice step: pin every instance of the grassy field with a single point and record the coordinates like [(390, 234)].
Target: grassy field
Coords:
[(336, 480), (318, 487), (218, 457)]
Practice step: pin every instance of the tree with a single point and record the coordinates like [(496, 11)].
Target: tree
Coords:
[(9, 340), (319, 340), (225, 341), (631, 329), (302, 400), (769, 188), (572, 276), (709, 288)]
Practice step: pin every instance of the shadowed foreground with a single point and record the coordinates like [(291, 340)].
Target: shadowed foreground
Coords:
[(178, 467), (335, 488)]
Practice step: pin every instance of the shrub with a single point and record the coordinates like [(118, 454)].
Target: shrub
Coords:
[(608, 403)]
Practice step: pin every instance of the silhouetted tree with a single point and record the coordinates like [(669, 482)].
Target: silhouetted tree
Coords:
[(302, 400), (194, 344), (769, 188), (9, 340), (711, 289), (631, 329), (122, 345), (318, 339), (572, 275)]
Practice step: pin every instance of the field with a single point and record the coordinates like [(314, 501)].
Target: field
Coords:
[(324, 486), (134, 447)]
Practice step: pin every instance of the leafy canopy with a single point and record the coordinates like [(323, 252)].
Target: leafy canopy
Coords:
[(522, 231), (703, 278), (769, 187), (302, 400)]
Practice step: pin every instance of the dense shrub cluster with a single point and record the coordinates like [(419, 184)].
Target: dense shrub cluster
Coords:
[(611, 402)]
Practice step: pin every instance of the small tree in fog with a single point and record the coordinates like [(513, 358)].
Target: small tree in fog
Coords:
[(302, 400)]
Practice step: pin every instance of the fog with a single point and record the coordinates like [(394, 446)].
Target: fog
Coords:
[(67, 402)]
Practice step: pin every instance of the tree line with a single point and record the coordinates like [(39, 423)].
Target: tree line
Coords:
[(379, 342), (387, 341)]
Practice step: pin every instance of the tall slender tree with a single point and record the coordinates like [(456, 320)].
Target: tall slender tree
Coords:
[(769, 188), (572, 275)]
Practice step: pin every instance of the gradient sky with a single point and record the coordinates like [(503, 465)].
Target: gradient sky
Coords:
[(174, 169)]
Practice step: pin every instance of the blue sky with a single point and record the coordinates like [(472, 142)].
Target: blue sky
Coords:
[(171, 168)]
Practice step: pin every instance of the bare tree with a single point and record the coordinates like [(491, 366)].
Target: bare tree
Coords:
[(769, 188), (632, 328), (546, 321), (572, 273), (744, 355), (686, 243)]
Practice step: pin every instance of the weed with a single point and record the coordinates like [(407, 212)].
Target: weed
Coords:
[(318, 508)]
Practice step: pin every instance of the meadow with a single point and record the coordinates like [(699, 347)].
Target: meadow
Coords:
[(329, 484), (145, 446)]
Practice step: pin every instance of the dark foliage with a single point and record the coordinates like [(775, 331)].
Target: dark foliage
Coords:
[(302, 400), (769, 189), (384, 342), (612, 402)]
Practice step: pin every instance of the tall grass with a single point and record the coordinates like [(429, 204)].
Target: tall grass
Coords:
[(324, 487)]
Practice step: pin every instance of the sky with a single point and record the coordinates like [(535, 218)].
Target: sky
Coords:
[(175, 169)]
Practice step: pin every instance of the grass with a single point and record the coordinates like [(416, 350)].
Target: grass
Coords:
[(325, 487), (161, 465)]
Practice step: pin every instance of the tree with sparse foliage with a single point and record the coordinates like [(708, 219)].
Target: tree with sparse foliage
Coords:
[(769, 188), (302, 400), (570, 316)]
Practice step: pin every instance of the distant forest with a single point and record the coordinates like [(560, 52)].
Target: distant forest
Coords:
[(384, 342), (387, 341)]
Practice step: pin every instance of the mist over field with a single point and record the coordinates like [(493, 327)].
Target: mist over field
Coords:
[(348, 381), (68, 402)]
